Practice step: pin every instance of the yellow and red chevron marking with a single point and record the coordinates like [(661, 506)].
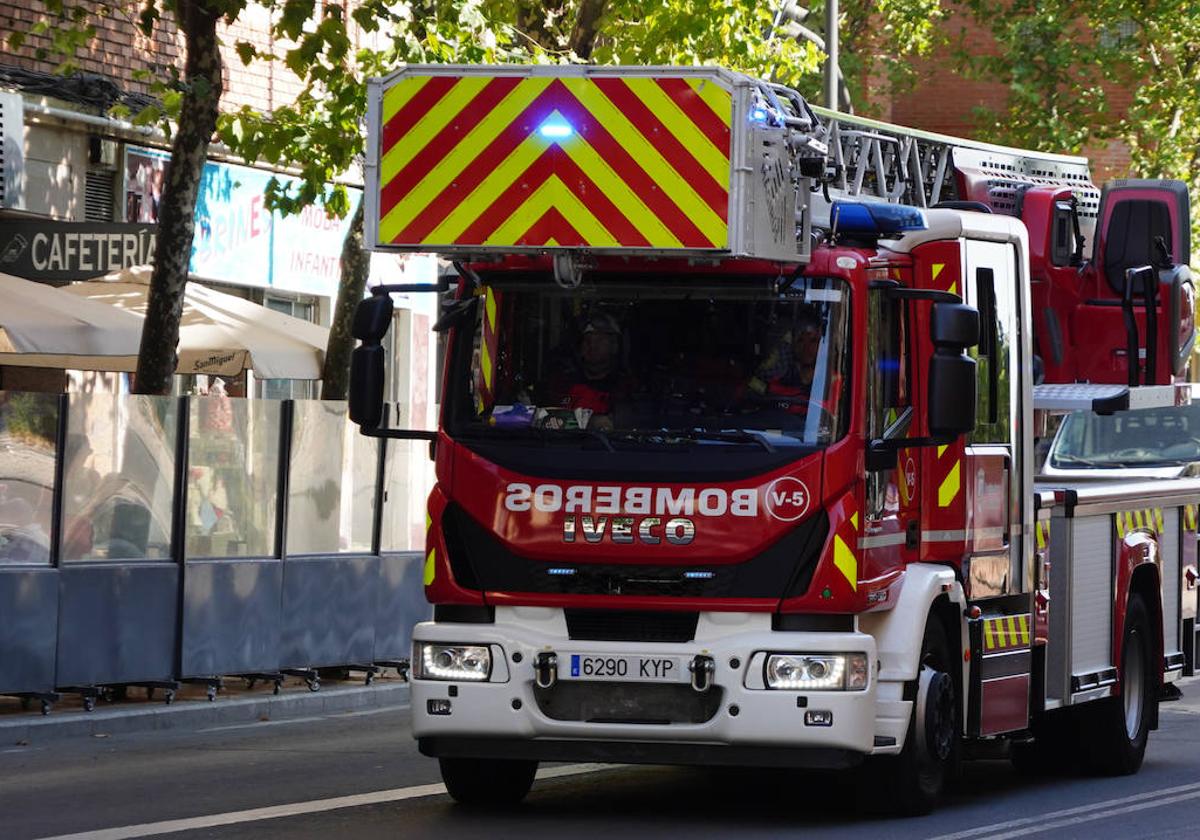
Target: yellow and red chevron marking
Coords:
[(1005, 632), (597, 161)]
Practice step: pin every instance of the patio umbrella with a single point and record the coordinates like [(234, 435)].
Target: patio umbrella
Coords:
[(42, 326), (219, 333)]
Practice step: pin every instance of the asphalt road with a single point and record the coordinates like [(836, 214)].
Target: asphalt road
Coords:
[(358, 775)]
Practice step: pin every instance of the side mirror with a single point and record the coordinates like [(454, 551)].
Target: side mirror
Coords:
[(372, 319), (366, 385), (954, 326), (950, 402)]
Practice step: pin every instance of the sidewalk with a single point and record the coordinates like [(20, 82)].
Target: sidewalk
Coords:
[(191, 709)]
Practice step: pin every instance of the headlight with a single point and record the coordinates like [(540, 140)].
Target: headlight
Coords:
[(465, 663), (815, 672)]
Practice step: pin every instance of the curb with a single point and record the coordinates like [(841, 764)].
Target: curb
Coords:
[(198, 714)]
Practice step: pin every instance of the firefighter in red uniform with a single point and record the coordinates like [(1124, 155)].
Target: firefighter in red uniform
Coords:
[(594, 380), (794, 383)]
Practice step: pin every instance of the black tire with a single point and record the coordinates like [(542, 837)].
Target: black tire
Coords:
[(913, 781), (489, 782), (1120, 726)]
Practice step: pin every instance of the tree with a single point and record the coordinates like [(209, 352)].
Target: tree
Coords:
[(1062, 59), (192, 100)]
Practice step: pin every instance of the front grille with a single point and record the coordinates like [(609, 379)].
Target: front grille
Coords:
[(631, 626), (617, 702), (783, 569)]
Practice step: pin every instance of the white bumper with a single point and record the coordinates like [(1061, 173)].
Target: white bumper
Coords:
[(748, 719)]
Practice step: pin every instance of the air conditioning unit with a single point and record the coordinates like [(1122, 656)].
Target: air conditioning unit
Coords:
[(12, 149)]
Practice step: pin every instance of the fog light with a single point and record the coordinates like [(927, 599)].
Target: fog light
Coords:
[(810, 671), (818, 717), (465, 663), (437, 707)]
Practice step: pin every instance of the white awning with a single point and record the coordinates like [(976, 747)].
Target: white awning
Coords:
[(42, 326), (219, 333)]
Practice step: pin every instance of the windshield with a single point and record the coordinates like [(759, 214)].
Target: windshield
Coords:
[(1157, 437), (736, 362)]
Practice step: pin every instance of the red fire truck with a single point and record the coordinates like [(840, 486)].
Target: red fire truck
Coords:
[(735, 457)]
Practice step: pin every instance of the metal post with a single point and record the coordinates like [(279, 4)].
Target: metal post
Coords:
[(380, 490), (56, 501), (831, 50)]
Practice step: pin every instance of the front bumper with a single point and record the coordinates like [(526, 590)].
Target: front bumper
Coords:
[(749, 726)]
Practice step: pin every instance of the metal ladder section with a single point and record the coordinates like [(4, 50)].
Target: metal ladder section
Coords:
[(907, 166)]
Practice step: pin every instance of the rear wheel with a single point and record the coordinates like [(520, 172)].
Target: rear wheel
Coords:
[(915, 779), (489, 782), (1121, 724)]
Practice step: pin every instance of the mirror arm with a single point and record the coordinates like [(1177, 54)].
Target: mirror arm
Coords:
[(442, 285), (895, 291)]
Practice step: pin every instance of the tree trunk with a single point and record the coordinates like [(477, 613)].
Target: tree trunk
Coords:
[(356, 265), (157, 357), (587, 24)]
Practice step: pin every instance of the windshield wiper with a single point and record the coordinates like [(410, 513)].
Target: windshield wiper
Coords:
[(1079, 461), (738, 436), (543, 435)]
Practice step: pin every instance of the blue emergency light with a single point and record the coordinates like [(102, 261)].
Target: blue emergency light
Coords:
[(555, 130), (869, 218)]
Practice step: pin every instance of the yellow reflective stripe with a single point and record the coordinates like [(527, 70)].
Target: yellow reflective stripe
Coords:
[(1024, 629), (845, 561), (429, 567), (488, 190), (854, 520), (950, 487), (942, 449), (1012, 630), (937, 269), (1119, 519), (489, 307), (553, 193), (485, 364), (435, 182), (712, 159), (1039, 530), (398, 95), (618, 191), (989, 640), (649, 159), (1158, 519), (418, 136), (719, 100)]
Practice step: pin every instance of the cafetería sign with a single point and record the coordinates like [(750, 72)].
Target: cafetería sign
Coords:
[(40, 249)]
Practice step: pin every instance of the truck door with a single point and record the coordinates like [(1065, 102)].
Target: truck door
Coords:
[(994, 457)]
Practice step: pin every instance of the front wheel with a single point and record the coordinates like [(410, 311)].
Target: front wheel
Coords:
[(914, 780), (1121, 724), (488, 782)]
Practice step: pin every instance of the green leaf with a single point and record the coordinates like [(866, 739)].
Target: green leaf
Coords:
[(246, 51)]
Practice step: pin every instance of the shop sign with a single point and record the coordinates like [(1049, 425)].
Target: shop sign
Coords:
[(41, 249), (237, 239)]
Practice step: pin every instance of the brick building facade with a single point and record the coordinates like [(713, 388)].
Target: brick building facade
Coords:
[(944, 101)]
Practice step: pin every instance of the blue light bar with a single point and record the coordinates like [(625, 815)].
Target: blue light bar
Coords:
[(555, 130), (560, 571), (875, 218), (699, 575)]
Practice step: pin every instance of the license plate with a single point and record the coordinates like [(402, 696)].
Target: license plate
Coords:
[(617, 668)]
